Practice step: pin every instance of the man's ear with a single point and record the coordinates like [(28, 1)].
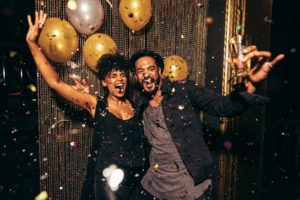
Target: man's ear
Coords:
[(159, 71)]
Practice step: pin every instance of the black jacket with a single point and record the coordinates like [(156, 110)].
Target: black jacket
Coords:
[(182, 104)]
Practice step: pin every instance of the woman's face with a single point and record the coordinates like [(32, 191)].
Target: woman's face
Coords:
[(116, 83)]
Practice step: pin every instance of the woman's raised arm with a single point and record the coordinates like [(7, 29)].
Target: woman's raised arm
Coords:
[(82, 99)]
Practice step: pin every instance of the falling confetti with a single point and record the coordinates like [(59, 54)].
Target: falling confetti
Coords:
[(32, 87), (44, 176), (227, 144), (267, 19), (209, 20), (72, 5), (154, 167), (42, 196), (293, 50), (73, 144), (198, 3), (239, 27)]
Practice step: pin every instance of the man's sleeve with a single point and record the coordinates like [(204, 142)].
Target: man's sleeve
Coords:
[(223, 106)]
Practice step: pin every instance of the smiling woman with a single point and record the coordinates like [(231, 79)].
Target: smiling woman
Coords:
[(171, 30), (118, 131)]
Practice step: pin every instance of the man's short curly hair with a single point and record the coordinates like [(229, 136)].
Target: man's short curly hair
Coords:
[(109, 62), (158, 59)]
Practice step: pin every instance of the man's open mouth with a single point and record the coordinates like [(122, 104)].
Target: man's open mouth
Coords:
[(149, 80)]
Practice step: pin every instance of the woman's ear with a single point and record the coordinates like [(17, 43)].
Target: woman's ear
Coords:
[(104, 84)]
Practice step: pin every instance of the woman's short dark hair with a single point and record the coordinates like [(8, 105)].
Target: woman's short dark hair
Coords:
[(109, 62)]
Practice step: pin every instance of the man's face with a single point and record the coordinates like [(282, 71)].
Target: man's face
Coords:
[(147, 73)]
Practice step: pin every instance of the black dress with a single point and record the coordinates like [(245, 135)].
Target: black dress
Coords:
[(118, 142)]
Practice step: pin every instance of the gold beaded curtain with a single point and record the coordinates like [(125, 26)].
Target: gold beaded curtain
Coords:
[(176, 27)]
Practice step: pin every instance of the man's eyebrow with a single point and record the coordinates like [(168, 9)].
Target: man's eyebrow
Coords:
[(147, 66)]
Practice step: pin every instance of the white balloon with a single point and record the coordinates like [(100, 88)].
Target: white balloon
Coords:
[(85, 15)]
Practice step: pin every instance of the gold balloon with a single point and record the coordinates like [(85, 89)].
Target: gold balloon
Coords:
[(58, 40), (96, 46), (135, 13), (176, 68)]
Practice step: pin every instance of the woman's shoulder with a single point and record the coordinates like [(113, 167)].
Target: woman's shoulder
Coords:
[(100, 106)]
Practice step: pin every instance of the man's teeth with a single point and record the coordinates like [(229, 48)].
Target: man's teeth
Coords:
[(148, 80)]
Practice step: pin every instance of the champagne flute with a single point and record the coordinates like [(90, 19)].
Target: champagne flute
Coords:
[(239, 69)]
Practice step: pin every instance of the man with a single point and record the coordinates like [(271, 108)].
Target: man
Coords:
[(181, 166)]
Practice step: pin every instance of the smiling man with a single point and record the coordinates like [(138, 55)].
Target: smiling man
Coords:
[(181, 163)]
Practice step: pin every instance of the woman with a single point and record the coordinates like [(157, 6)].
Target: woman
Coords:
[(118, 136)]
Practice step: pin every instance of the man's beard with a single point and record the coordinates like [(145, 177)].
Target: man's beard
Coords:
[(151, 94)]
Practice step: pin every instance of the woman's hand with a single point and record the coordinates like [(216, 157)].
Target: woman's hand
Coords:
[(80, 86), (34, 28)]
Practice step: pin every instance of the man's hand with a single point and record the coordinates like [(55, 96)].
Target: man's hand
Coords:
[(34, 29), (262, 66), (80, 86)]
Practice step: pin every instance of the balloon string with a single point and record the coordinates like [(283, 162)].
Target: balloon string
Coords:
[(109, 3)]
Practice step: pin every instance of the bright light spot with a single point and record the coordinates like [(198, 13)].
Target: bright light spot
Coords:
[(56, 33), (42, 196), (180, 107), (32, 88), (100, 47), (173, 67), (87, 17), (135, 4), (107, 171), (59, 46), (114, 176), (12, 54), (72, 5), (84, 7)]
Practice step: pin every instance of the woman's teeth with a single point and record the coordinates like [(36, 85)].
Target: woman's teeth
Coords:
[(119, 86)]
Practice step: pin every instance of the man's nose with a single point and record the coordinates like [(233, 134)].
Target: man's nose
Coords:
[(146, 74)]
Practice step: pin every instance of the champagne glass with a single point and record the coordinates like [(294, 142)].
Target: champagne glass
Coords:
[(239, 69)]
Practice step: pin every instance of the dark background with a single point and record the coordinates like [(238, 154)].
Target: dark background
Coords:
[(19, 167)]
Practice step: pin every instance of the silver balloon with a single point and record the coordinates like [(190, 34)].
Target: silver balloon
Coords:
[(85, 15)]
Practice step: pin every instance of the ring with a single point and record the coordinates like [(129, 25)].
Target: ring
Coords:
[(270, 65)]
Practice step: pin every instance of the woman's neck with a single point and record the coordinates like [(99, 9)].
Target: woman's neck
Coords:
[(115, 100), (120, 107)]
